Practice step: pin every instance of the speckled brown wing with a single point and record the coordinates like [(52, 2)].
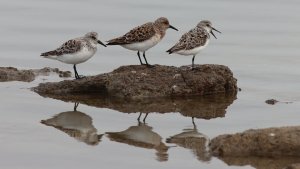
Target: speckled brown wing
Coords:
[(190, 40), (68, 47), (138, 34)]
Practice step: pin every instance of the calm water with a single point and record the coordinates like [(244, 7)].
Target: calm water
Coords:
[(259, 42)]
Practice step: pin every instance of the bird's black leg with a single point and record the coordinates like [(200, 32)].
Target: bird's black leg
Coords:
[(138, 53), (193, 121), (193, 61), (139, 117), (77, 76), (75, 106), (144, 120), (144, 55), (75, 71)]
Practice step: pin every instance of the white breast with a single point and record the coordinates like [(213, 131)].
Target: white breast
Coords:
[(193, 51), (145, 45), (79, 57)]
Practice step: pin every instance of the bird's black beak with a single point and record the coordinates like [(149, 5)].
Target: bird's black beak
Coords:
[(212, 28), (172, 27), (101, 43)]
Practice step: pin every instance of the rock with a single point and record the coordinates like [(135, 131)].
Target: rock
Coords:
[(293, 166), (261, 162), (271, 101), (47, 70), (139, 81), (13, 74), (270, 142)]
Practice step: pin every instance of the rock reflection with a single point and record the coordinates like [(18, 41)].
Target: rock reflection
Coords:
[(141, 136), (261, 162), (192, 139), (76, 124), (205, 107)]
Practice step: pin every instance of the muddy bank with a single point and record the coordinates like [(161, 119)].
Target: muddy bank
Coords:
[(139, 81), (14, 74), (270, 142)]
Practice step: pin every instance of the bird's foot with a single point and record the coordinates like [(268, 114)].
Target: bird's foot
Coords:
[(80, 77), (150, 66)]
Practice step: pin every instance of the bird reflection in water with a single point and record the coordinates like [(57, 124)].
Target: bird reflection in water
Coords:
[(76, 124), (141, 136), (192, 139)]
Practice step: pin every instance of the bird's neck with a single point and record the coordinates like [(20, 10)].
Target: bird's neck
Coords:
[(160, 30)]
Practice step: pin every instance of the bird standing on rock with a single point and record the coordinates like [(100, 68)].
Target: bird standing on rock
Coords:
[(76, 50), (192, 42), (143, 37)]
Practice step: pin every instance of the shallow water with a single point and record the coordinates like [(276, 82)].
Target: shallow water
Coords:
[(259, 42)]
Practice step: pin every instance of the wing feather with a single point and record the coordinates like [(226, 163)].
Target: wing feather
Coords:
[(137, 34)]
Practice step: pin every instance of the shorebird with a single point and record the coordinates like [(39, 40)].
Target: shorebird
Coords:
[(76, 50), (192, 42), (143, 37)]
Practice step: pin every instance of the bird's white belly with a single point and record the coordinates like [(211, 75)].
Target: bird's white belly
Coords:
[(78, 57), (192, 51), (143, 46)]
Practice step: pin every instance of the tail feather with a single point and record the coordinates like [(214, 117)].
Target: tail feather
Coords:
[(51, 54), (117, 41), (170, 51), (176, 48)]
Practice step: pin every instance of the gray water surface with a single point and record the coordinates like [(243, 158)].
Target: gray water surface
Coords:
[(259, 42)]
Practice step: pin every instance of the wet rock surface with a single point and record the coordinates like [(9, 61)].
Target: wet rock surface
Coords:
[(262, 162), (270, 142), (139, 81), (293, 166), (14, 74), (204, 107)]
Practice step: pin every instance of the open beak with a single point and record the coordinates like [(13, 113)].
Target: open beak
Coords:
[(101, 43), (172, 27), (212, 28)]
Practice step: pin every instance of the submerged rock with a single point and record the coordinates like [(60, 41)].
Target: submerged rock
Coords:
[(273, 101), (139, 81), (14, 74), (270, 142)]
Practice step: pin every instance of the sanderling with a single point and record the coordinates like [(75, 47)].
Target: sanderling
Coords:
[(143, 37), (194, 41), (76, 50)]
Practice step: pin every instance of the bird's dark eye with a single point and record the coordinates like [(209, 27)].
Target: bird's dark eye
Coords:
[(207, 24), (93, 37)]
